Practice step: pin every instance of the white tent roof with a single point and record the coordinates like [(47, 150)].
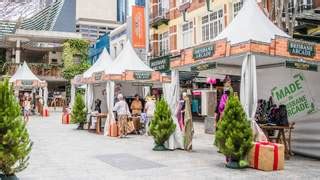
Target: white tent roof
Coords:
[(24, 73), (127, 60), (250, 24), (101, 64)]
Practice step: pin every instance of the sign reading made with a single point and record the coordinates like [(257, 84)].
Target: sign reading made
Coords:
[(142, 75), (203, 67), (161, 64), (301, 66), (301, 48), (203, 52)]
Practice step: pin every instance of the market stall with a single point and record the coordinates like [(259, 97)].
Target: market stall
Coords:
[(127, 75), (270, 64), (27, 84)]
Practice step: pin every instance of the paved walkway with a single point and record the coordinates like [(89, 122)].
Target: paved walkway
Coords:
[(62, 153)]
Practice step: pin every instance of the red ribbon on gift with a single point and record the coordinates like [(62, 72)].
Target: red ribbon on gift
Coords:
[(275, 155)]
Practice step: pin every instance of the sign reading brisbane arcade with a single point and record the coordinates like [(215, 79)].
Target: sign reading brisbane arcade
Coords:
[(203, 52), (301, 48), (161, 64), (142, 75)]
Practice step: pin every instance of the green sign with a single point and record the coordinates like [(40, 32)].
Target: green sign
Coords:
[(160, 64), (142, 84), (98, 76), (301, 66), (301, 48), (296, 96), (203, 52), (26, 83), (142, 75), (203, 67)]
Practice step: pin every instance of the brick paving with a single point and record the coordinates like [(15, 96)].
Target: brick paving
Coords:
[(62, 153)]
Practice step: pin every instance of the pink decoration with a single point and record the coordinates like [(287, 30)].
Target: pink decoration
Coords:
[(211, 80)]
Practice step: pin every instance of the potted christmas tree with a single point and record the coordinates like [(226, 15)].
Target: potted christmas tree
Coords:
[(234, 135), (79, 111), (162, 125), (15, 144)]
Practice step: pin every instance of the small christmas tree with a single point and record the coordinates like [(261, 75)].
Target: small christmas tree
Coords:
[(162, 125), (234, 135), (79, 111), (15, 144)]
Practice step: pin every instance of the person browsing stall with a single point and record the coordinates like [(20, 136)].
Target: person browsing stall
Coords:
[(136, 105), (122, 109)]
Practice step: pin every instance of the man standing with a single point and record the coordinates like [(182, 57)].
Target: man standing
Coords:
[(122, 109)]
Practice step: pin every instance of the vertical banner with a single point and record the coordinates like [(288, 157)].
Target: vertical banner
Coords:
[(296, 95), (138, 27)]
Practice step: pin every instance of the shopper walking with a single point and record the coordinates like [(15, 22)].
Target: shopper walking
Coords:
[(122, 109), (26, 109), (149, 109)]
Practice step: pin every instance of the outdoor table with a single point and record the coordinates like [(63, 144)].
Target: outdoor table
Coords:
[(280, 138), (98, 123)]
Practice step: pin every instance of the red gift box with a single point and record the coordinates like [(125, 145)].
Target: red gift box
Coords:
[(267, 156)]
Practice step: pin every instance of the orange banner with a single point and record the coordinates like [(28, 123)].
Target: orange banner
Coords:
[(138, 27)]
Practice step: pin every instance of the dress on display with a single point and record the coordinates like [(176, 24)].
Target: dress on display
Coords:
[(180, 114), (188, 133)]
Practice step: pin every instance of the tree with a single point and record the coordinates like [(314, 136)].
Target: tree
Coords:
[(15, 144), (234, 135), (162, 125), (79, 111)]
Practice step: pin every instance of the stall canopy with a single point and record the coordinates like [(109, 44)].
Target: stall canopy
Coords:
[(250, 24), (101, 64), (127, 60), (24, 74)]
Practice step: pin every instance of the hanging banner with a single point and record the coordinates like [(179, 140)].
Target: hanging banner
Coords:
[(296, 96), (138, 27)]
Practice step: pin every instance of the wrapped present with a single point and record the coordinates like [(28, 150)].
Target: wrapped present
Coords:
[(113, 129), (65, 118), (267, 156)]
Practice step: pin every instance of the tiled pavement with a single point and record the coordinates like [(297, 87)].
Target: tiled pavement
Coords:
[(62, 153)]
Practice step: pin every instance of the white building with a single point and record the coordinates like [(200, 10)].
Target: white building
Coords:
[(118, 38), (95, 18)]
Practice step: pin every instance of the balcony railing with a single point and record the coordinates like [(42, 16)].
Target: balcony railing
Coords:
[(39, 69), (161, 16)]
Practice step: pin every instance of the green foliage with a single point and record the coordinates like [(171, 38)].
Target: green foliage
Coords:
[(15, 144), (162, 125), (79, 111), (234, 135), (72, 48)]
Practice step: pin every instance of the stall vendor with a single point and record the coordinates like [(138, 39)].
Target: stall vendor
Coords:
[(136, 106)]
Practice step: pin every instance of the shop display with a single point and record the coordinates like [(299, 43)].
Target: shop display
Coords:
[(267, 156)]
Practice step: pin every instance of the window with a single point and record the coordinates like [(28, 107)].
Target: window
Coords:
[(163, 6), (212, 25), (187, 35), (164, 43), (236, 8), (54, 61)]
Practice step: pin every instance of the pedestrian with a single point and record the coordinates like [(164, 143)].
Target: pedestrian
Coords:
[(122, 109), (149, 109), (136, 106), (26, 109)]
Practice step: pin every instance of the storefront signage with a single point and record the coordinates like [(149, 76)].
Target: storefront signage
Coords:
[(301, 48), (203, 67), (301, 66), (203, 52), (142, 75), (98, 76), (296, 96), (142, 84), (160, 64), (26, 83)]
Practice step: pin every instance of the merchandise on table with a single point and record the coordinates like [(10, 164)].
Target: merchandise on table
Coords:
[(267, 156)]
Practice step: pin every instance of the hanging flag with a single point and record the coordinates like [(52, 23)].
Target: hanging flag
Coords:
[(138, 27)]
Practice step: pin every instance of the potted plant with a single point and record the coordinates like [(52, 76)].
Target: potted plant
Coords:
[(162, 125), (79, 111), (15, 144), (234, 135)]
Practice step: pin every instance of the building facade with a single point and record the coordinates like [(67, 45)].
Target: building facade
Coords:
[(95, 19)]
